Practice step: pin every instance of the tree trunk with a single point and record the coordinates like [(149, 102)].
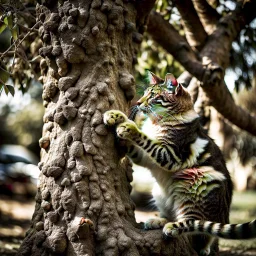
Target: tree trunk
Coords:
[(83, 206)]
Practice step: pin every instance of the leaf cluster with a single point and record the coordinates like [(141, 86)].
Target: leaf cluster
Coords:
[(19, 63)]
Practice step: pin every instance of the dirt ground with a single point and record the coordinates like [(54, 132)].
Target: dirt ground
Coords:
[(16, 212)]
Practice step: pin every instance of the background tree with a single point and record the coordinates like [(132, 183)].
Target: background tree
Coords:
[(89, 49)]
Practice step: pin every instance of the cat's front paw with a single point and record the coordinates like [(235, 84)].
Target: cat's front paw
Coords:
[(155, 223), (171, 230), (114, 117), (127, 130)]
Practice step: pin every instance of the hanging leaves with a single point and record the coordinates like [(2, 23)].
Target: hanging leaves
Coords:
[(2, 26), (7, 89), (15, 32), (4, 76), (8, 20)]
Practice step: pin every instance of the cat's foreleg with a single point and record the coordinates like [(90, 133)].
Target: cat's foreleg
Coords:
[(114, 117), (134, 152), (163, 155)]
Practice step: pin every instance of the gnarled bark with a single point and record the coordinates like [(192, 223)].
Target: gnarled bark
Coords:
[(83, 205)]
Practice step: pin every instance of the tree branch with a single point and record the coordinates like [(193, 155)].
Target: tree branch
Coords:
[(216, 51), (193, 27), (174, 43), (208, 15)]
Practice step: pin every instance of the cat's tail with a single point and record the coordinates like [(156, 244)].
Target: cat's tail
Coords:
[(228, 231)]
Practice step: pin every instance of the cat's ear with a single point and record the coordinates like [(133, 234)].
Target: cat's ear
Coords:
[(154, 79), (170, 82), (179, 90)]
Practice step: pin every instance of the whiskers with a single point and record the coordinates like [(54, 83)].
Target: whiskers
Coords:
[(133, 111), (156, 116)]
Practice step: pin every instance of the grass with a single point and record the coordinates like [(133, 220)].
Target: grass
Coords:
[(243, 209)]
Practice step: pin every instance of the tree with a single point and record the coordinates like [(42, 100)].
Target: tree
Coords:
[(83, 205), (89, 48)]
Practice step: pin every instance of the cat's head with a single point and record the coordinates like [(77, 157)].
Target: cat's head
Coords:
[(165, 97)]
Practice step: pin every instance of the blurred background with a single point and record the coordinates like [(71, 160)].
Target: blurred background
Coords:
[(21, 115)]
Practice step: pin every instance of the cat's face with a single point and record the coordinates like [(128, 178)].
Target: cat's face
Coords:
[(165, 98)]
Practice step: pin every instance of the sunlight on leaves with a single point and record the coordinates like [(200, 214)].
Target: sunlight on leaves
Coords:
[(4, 75), (2, 26), (15, 32)]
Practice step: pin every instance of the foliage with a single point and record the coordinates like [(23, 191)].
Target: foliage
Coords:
[(19, 42), (23, 126), (20, 63), (243, 57)]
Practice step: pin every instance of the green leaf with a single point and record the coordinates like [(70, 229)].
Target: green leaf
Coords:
[(8, 20), (15, 32), (10, 89), (6, 90), (2, 27), (4, 75)]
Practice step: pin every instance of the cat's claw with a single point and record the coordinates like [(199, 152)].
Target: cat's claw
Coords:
[(114, 117), (127, 130)]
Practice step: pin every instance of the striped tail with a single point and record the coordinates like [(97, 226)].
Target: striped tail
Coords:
[(227, 231)]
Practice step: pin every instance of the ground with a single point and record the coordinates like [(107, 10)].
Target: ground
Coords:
[(16, 212)]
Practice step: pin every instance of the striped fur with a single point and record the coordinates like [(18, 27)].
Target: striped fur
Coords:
[(194, 191), (228, 231)]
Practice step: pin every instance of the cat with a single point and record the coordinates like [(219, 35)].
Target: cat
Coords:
[(194, 191)]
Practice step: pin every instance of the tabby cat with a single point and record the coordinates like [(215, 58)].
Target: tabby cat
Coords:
[(194, 191)]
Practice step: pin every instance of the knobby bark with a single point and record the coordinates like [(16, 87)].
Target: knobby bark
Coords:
[(83, 205), (209, 67)]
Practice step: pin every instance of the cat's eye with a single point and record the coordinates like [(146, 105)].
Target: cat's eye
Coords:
[(156, 100)]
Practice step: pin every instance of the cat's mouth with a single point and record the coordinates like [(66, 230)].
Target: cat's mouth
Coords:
[(144, 109), (138, 108)]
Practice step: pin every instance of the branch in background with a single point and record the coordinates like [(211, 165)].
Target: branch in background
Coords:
[(143, 8), (208, 15), (167, 36), (222, 101), (193, 27), (213, 3), (216, 51), (193, 89), (185, 78)]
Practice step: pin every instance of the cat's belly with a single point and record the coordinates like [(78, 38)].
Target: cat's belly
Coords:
[(163, 203), (186, 189)]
